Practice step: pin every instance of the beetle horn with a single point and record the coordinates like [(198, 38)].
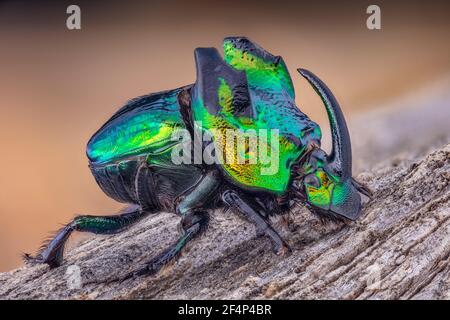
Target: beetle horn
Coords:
[(340, 158)]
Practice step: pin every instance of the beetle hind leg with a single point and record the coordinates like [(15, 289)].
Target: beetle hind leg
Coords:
[(191, 207), (192, 226), (52, 251)]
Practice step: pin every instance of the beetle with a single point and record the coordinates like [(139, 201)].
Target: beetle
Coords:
[(131, 155)]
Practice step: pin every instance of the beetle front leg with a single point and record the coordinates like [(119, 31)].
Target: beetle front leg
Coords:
[(153, 266), (362, 189), (246, 207)]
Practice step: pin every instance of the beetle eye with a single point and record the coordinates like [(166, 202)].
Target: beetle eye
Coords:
[(312, 181)]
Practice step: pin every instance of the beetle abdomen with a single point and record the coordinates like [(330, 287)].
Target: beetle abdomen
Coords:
[(117, 180)]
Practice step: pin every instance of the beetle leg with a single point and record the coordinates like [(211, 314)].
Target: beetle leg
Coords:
[(199, 195), (362, 189), (190, 206), (241, 204), (199, 223), (52, 251)]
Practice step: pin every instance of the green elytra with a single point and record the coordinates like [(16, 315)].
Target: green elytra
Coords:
[(145, 129)]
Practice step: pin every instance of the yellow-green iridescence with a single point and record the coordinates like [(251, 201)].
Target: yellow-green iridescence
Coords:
[(225, 97), (331, 192), (272, 93), (141, 137), (321, 196), (341, 192), (266, 75), (272, 97), (248, 174), (146, 127)]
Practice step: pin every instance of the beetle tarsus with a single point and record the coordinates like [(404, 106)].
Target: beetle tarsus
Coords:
[(52, 251), (284, 251), (365, 190)]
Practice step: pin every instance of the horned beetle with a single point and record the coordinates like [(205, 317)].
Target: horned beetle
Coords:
[(247, 89)]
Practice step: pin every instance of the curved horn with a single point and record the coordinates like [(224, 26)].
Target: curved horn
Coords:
[(341, 152)]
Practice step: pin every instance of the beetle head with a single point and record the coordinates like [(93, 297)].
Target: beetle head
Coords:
[(327, 193), (325, 181)]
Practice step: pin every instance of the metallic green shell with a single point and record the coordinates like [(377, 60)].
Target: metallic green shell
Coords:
[(143, 126), (273, 103), (271, 89), (146, 125)]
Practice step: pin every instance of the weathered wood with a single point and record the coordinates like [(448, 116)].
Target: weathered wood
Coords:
[(400, 249)]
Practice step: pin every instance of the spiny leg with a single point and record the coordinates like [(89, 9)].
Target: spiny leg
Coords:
[(194, 220), (154, 265), (52, 251), (249, 209)]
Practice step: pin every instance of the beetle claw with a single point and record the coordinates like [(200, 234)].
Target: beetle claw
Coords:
[(28, 258), (283, 251), (39, 259)]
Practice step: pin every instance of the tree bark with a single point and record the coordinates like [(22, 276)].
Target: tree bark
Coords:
[(399, 249)]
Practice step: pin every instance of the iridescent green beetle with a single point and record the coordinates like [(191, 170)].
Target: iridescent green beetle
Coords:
[(248, 91)]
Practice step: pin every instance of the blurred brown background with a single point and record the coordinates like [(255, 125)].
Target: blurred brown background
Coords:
[(58, 86)]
